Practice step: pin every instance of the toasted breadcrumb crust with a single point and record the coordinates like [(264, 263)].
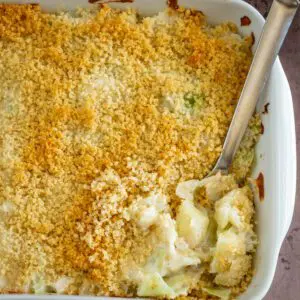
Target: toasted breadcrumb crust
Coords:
[(84, 132)]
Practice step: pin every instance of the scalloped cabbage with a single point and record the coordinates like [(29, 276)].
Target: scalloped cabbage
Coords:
[(219, 241)]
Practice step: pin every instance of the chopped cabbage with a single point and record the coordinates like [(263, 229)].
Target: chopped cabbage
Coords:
[(229, 244), (165, 264), (153, 285), (216, 186), (172, 254), (166, 232), (181, 283), (230, 262), (192, 223), (179, 261), (145, 211), (239, 267), (186, 189), (206, 248), (222, 293), (234, 208), (156, 261)]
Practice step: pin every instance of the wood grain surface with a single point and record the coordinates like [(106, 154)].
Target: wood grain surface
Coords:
[(286, 284)]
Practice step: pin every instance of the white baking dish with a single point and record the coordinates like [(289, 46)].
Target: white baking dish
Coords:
[(276, 151)]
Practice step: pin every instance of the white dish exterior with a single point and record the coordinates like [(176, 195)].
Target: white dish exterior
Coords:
[(276, 150)]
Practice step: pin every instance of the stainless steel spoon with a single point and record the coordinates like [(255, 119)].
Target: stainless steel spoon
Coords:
[(274, 31)]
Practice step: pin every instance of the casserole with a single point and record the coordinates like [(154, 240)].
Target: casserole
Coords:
[(275, 152)]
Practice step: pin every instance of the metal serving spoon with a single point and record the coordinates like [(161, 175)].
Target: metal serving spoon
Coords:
[(274, 31)]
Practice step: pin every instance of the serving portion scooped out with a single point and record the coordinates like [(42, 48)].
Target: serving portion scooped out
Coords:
[(212, 234)]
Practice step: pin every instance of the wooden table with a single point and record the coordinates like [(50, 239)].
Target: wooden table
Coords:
[(286, 284)]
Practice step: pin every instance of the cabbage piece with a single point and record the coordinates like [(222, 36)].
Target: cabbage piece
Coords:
[(164, 264), (172, 254), (229, 245), (192, 223), (234, 208), (222, 293), (160, 262), (166, 232), (156, 262), (231, 242), (186, 189), (173, 103), (239, 267), (147, 217), (206, 249), (145, 211), (236, 242), (219, 185), (153, 285), (185, 256), (179, 261), (215, 186), (181, 283)]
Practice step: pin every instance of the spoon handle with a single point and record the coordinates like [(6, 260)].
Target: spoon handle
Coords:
[(274, 31)]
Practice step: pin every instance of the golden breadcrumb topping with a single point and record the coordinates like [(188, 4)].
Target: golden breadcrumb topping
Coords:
[(97, 108)]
